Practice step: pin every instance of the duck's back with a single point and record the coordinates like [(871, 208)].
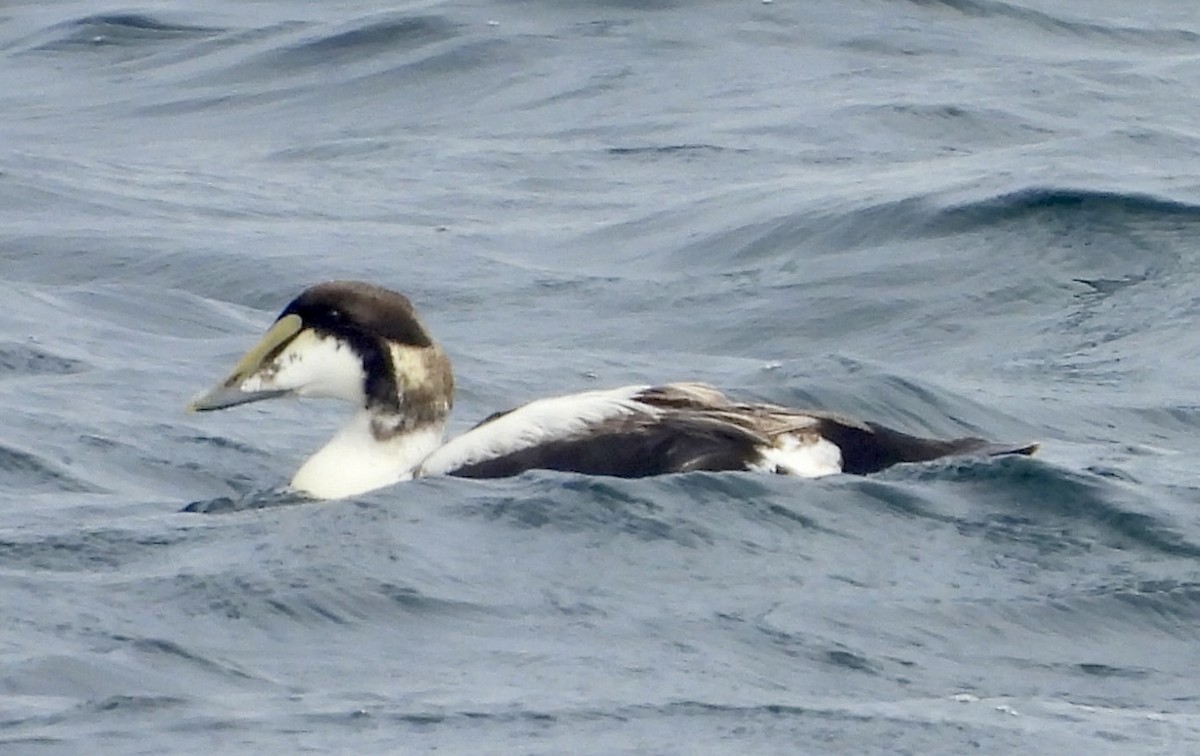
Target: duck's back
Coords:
[(636, 431)]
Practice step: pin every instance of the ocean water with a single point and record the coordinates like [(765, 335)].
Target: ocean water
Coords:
[(952, 217)]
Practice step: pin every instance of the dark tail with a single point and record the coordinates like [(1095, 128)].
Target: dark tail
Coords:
[(1000, 450), (871, 449)]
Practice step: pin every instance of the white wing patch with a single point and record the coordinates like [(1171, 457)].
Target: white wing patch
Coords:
[(538, 422), (806, 457)]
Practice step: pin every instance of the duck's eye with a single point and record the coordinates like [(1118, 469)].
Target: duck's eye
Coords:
[(335, 315)]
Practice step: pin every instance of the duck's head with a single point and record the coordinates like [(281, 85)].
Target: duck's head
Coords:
[(345, 340)]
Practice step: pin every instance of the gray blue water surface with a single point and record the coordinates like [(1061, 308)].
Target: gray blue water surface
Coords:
[(952, 217)]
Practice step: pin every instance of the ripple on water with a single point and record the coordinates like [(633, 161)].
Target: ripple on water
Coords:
[(25, 472), (137, 34), (22, 360)]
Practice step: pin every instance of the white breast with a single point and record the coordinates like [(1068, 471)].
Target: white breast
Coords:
[(354, 461)]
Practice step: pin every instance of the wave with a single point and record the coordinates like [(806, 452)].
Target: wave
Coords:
[(23, 360), (1013, 499), (749, 231), (298, 590), (1169, 606), (28, 472), (378, 66), (1050, 507), (264, 499), (1040, 202), (195, 67), (89, 551), (363, 40), (694, 510), (133, 34), (1064, 25)]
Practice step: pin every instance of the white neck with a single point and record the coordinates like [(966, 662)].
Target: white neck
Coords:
[(354, 461)]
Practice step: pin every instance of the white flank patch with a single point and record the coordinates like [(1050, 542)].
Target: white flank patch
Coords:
[(538, 422), (312, 366), (354, 461), (807, 459)]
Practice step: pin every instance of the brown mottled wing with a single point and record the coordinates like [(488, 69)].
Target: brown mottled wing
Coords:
[(866, 447), (697, 428), (633, 447)]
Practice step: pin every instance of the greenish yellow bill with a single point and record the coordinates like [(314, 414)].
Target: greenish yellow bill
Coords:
[(226, 393)]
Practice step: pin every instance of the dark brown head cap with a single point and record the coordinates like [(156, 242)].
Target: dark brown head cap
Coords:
[(338, 307)]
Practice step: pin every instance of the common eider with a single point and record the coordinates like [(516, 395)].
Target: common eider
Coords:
[(365, 345)]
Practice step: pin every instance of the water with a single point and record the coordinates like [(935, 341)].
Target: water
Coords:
[(954, 217)]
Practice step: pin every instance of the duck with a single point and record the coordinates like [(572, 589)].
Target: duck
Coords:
[(365, 345)]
